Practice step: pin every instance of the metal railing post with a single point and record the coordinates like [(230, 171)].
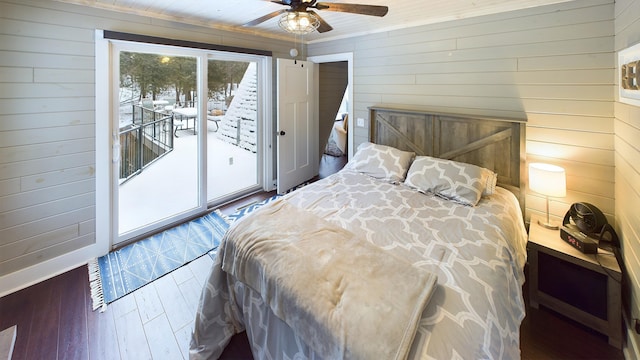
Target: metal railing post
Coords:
[(140, 150), (238, 132)]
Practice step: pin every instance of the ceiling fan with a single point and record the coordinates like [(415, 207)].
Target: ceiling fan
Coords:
[(299, 18)]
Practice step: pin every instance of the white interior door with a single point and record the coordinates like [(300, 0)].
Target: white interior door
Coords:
[(297, 125)]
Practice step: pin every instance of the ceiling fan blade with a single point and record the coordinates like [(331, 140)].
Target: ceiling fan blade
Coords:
[(265, 17), (283, 2), (324, 26), (373, 10)]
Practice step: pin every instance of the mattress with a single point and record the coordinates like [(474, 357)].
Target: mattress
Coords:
[(477, 252)]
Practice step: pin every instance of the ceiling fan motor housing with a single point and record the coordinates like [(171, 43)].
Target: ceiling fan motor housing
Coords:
[(305, 7)]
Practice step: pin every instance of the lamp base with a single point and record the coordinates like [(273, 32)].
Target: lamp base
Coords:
[(549, 226)]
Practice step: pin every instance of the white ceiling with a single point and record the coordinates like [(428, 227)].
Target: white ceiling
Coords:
[(231, 14)]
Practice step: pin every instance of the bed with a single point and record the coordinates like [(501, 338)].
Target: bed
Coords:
[(414, 250)]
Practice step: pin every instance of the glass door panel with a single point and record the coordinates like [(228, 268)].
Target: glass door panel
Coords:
[(232, 124), (158, 159)]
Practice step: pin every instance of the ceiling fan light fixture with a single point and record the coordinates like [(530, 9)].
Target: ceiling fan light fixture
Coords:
[(297, 22)]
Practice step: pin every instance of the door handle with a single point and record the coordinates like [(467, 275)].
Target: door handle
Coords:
[(281, 133)]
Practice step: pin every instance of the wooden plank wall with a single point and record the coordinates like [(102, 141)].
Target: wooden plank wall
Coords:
[(627, 169), (551, 65), (47, 122)]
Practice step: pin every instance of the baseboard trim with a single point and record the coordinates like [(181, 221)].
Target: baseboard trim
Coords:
[(24, 278)]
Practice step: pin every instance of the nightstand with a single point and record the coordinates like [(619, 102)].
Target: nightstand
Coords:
[(583, 287)]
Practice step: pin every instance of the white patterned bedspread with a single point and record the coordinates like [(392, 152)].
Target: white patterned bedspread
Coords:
[(478, 254)]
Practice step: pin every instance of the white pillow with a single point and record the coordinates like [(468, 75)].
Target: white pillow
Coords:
[(461, 182), (381, 162)]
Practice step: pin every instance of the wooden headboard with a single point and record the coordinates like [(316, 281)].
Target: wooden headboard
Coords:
[(493, 143)]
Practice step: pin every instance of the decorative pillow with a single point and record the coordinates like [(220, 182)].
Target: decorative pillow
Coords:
[(461, 182), (381, 162)]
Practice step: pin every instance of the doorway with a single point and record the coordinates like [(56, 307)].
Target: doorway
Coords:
[(335, 97), (333, 101)]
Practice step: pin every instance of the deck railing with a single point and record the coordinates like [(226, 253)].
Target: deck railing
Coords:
[(147, 139)]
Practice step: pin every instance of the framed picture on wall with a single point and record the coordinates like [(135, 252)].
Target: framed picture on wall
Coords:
[(629, 75)]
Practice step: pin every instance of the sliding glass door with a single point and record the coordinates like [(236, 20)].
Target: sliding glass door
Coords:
[(185, 132)]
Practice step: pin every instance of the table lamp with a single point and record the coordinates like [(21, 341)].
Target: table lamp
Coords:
[(548, 180)]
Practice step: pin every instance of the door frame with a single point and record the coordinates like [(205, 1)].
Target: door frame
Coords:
[(348, 57)]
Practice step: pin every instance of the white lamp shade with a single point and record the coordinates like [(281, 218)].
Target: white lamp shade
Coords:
[(547, 179)]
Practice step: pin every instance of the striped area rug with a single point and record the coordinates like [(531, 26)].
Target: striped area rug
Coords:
[(249, 208), (242, 212), (252, 207), (122, 271)]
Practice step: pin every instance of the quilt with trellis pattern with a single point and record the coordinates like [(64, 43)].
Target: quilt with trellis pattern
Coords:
[(478, 254)]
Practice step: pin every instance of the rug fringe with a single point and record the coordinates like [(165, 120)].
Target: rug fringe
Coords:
[(95, 284), (223, 216)]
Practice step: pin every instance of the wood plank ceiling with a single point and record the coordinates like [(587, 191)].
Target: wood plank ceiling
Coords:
[(231, 14)]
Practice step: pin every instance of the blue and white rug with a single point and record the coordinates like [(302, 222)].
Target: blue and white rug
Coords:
[(252, 207), (242, 212), (122, 271), (127, 269), (249, 208)]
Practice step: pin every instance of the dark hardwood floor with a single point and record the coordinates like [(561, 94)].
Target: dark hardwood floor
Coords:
[(55, 321), (330, 165)]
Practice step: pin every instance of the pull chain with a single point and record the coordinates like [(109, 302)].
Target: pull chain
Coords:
[(294, 51)]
